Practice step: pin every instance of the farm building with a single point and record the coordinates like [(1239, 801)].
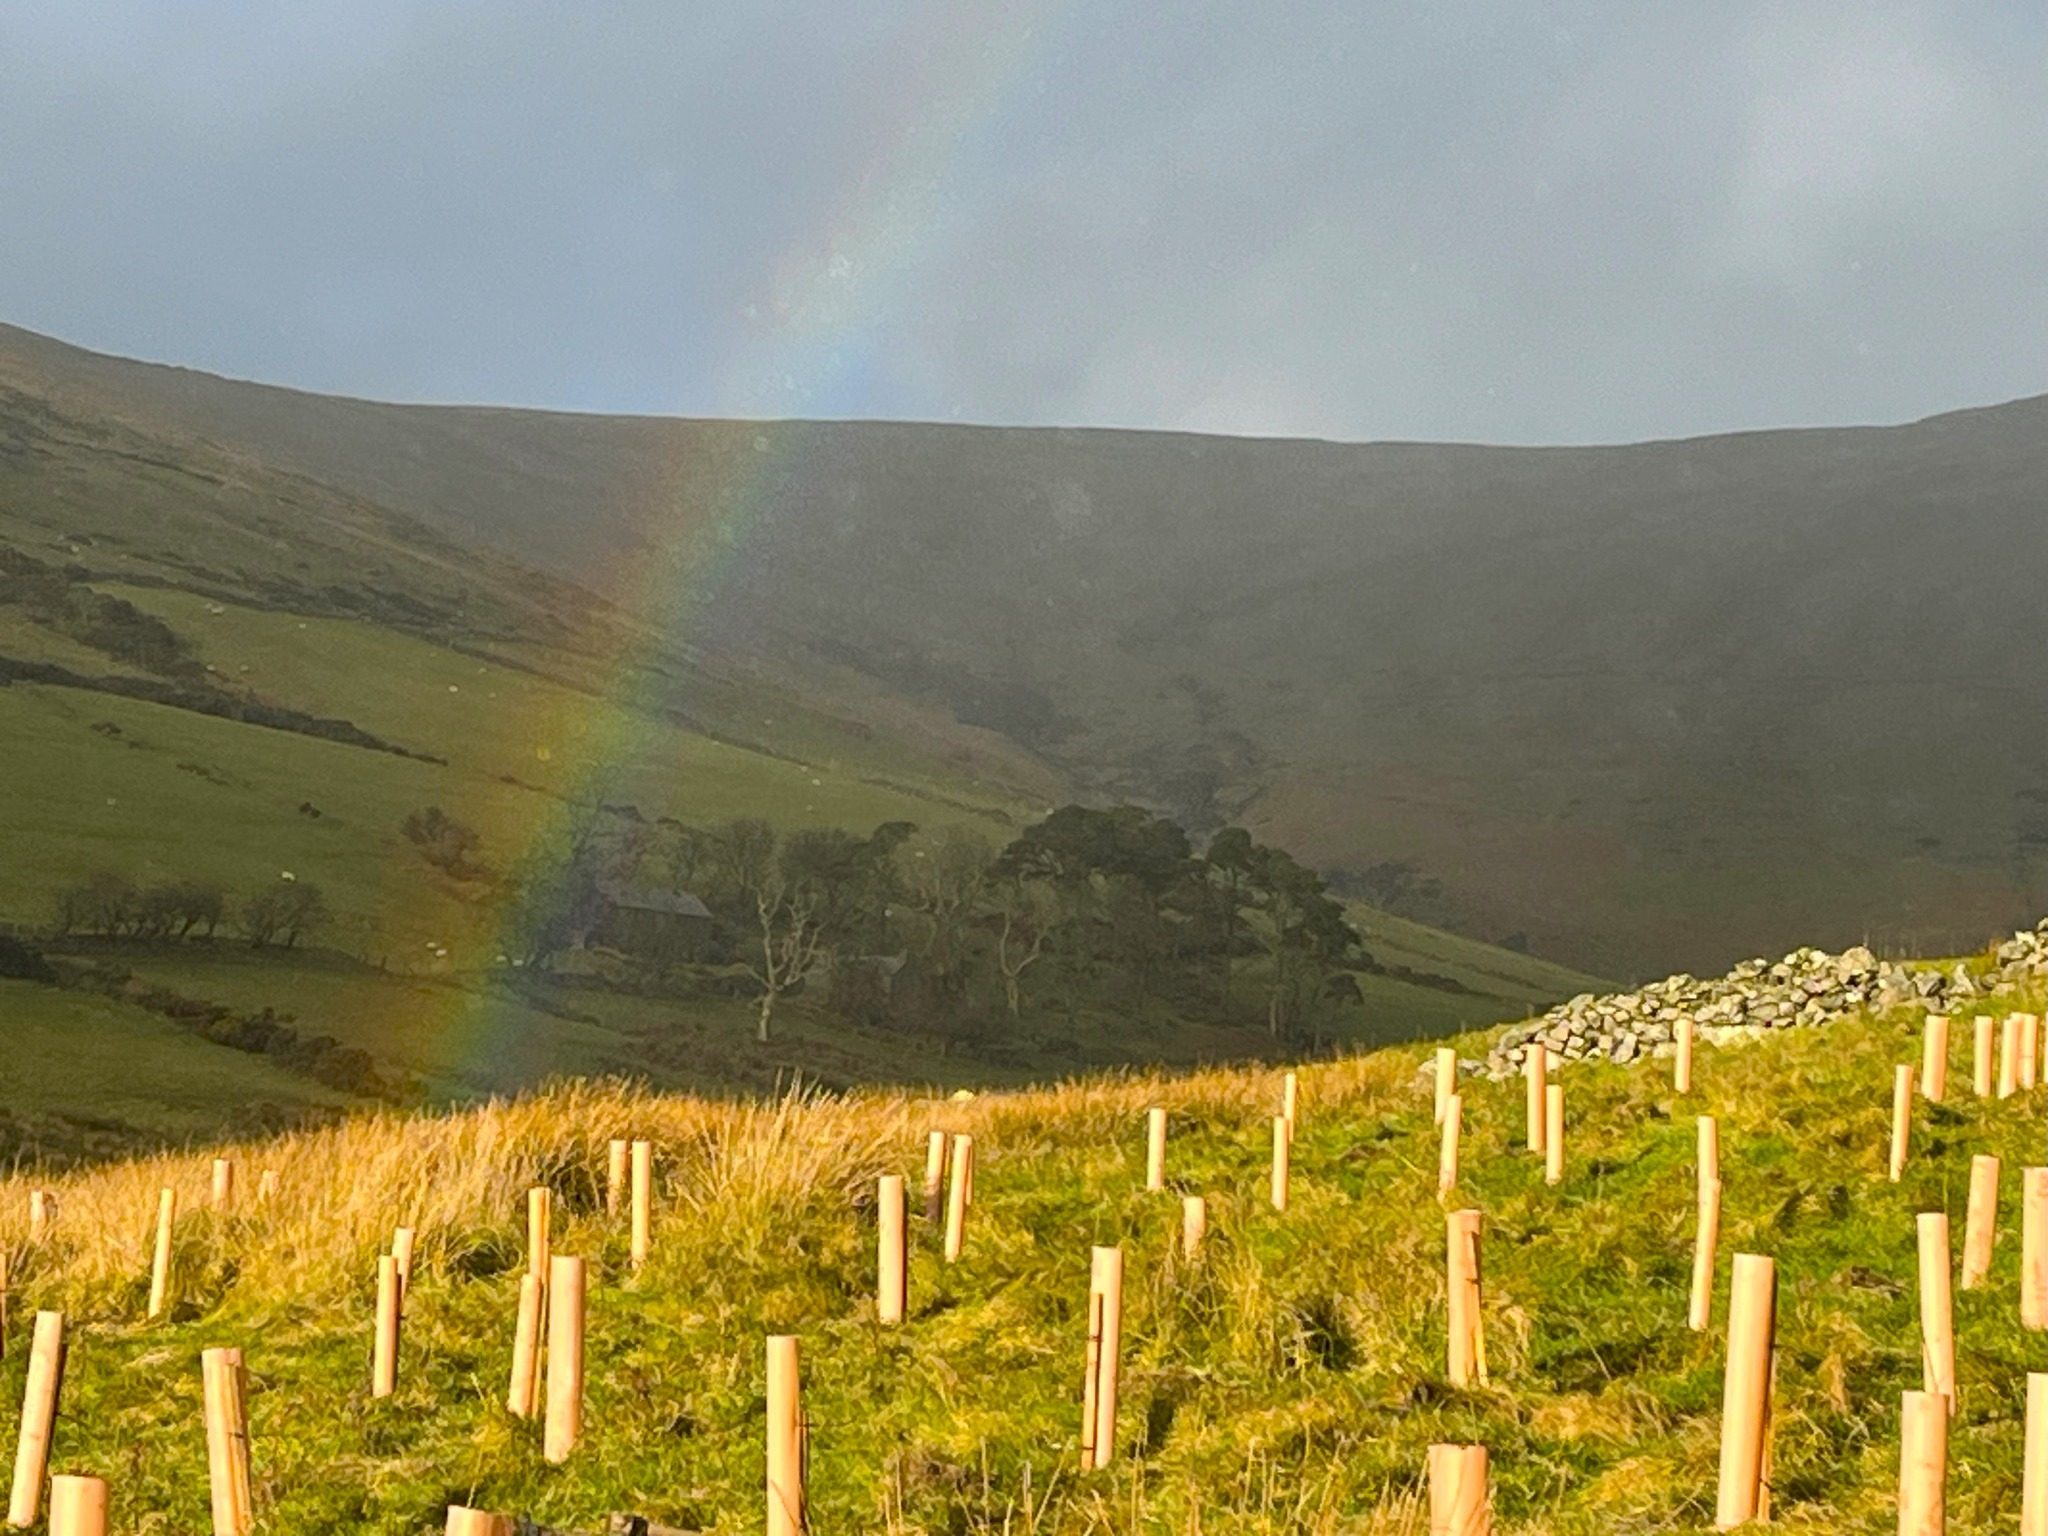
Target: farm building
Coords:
[(650, 924)]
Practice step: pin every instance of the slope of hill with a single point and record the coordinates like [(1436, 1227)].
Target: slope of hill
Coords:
[(1649, 706), (222, 673), (1288, 1378), (97, 783), (86, 1078)]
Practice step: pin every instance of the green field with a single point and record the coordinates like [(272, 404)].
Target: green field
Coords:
[(84, 1077), (92, 782), (1485, 968), (169, 793), (1288, 1380), (466, 1037), (502, 689)]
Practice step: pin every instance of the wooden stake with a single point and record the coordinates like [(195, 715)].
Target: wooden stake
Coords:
[(220, 1475), (227, 1440), (539, 1214), (1536, 1070), (1465, 1350), (564, 1426), (1290, 1101), (526, 1348), (160, 1262), (786, 1493), (1746, 1390), (1447, 1145), (892, 1273), (78, 1506), (464, 1521), (1194, 1224), (1706, 1235), (238, 1441), (1980, 1058), (934, 1175), (2009, 1057), (403, 1240), (1902, 1118), (2034, 1248), (1707, 1157), (1155, 1149), (2034, 1482), (1934, 1058), (2030, 1040), (957, 1195), (1446, 1079), (384, 1359), (1459, 1504), (1104, 1355), (1980, 1224), (1769, 1456), (1283, 1147), (614, 1175), (38, 1417), (1937, 1308), (643, 1201), (223, 1193), (38, 1214), (1681, 1058), (1110, 1356), (1091, 1363), (1553, 1134), (1923, 1464)]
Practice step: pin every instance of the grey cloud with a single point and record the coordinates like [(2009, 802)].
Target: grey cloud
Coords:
[(1572, 222)]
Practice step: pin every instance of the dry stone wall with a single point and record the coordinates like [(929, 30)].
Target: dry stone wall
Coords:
[(1807, 987)]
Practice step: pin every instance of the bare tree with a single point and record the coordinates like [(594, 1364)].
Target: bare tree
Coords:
[(1025, 913), (285, 913), (787, 910), (792, 942), (943, 877)]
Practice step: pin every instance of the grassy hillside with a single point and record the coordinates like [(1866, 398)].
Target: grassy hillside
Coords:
[(466, 1038), (85, 1078), (167, 791), (503, 732), (1654, 707), (1485, 969), (96, 782), (1287, 1380)]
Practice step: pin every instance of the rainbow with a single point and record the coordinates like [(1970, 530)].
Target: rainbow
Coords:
[(827, 303)]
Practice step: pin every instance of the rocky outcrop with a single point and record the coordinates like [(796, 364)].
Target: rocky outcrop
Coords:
[(1807, 987)]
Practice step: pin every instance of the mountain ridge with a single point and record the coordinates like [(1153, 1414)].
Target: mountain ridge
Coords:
[(1782, 684), (20, 336)]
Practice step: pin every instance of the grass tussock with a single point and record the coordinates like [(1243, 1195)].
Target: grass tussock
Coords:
[(1288, 1379)]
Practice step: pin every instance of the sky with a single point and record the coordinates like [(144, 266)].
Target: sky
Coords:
[(1473, 220)]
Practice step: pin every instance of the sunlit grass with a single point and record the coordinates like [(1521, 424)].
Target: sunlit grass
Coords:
[(1290, 1379)]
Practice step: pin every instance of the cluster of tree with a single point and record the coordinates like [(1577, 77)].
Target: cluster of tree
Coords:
[(59, 600), (22, 961), (1087, 910), (263, 1033), (111, 906), (449, 845)]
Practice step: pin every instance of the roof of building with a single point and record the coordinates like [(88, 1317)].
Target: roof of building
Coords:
[(645, 898)]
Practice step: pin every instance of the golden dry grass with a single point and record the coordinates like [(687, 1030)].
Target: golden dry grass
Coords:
[(1288, 1380)]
